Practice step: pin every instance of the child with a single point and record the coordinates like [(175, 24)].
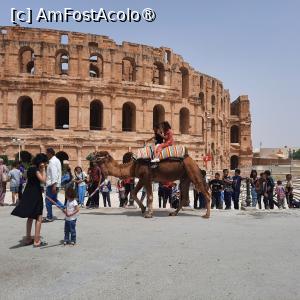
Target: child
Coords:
[(280, 192), (71, 212), (121, 190), (216, 186), (289, 190), (168, 140)]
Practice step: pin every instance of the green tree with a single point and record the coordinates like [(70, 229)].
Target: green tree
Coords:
[(296, 154)]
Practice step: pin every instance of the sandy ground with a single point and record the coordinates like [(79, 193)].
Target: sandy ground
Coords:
[(121, 255)]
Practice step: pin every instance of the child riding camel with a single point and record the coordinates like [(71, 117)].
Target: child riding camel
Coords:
[(168, 140)]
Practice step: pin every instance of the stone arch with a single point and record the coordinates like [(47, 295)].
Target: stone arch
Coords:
[(234, 134), (201, 99), (158, 73), (62, 113), (234, 162), (184, 82), (25, 112), (26, 60), (96, 115), (62, 59), (128, 69), (128, 117), (213, 148), (184, 120), (158, 114), (96, 66), (62, 156), (213, 128)]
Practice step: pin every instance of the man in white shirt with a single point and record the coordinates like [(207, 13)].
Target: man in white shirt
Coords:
[(53, 181)]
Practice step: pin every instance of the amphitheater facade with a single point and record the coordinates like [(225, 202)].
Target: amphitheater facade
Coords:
[(80, 92)]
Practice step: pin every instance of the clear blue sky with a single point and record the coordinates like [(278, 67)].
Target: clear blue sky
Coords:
[(252, 46)]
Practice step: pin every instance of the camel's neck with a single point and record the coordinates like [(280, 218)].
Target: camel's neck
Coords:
[(120, 170)]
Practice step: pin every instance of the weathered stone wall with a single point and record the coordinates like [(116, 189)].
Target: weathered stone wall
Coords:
[(33, 64)]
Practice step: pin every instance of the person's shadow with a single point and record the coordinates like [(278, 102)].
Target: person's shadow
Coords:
[(21, 244)]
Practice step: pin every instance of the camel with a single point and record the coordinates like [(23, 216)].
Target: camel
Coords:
[(185, 170)]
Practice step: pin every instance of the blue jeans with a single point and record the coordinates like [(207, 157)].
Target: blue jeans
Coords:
[(49, 204), (81, 193), (70, 231), (227, 199), (254, 196)]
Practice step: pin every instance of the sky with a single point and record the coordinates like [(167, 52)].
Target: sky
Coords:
[(252, 46)]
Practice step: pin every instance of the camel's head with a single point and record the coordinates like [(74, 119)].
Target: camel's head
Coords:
[(101, 158)]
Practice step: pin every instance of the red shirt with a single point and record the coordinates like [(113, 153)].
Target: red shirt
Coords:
[(95, 174)]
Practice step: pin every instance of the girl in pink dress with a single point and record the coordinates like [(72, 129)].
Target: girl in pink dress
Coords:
[(168, 140)]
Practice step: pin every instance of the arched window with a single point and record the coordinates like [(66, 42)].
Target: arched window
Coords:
[(62, 62), (201, 82), (128, 117), (26, 59), (128, 69), (158, 73), (213, 128), (96, 66), (213, 86), (184, 82), (184, 120), (25, 111), (158, 114), (213, 104), (62, 113), (234, 134), (234, 162), (62, 156), (201, 99), (96, 115), (213, 149)]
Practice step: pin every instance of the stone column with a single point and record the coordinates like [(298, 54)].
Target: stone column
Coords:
[(5, 107), (79, 112), (43, 109)]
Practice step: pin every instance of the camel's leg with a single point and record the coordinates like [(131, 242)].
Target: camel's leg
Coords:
[(148, 186), (139, 185), (194, 173), (184, 186)]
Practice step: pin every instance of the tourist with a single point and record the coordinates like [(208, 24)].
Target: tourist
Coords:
[(121, 190), (158, 138), (22, 180), (289, 190), (161, 197), (216, 186), (175, 196), (167, 191), (168, 140), (53, 182), (66, 180), (15, 178), (259, 188), (3, 181), (280, 193), (202, 202), (105, 188), (95, 177), (253, 182), (129, 187), (31, 204), (71, 211), (80, 184), (228, 190), (236, 185), (269, 189)]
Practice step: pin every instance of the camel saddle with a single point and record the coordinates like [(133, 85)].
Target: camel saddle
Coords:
[(169, 153)]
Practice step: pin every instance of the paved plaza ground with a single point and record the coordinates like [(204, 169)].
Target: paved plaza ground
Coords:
[(121, 255)]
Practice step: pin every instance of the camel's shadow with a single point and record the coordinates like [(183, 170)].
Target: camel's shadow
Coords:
[(138, 213)]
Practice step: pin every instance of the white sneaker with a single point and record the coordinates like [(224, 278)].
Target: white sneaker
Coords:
[(155, 160)]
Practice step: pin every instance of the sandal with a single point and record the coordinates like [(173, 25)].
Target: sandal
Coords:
[(41, 244)]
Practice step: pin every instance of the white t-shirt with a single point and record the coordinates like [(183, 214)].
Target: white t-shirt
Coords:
[(71, 207)]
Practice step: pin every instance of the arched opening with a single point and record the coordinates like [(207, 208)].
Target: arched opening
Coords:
[(201, 99), (158, 73), (234, 162), (62, 62), (128, 69), (158, 114), (213, 128), (25, 157), (62, 156), (213, 104), (26, 60), (62, 113), (213, 86), (96, 115), (234, 134), (184, 120), (96, 66), (184, 82), (213, 149), (201, 82), (128, 117), (25, 111)]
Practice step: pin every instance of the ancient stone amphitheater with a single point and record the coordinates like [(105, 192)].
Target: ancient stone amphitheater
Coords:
[(80, 92)]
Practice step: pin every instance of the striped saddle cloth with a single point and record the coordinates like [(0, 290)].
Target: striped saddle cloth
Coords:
[(148, 152)]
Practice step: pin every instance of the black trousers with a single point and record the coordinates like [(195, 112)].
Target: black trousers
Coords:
[(236, 199), (227, 199), (216, 200), (106, 198), (94, 200), (259, 196), (271, 201)]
